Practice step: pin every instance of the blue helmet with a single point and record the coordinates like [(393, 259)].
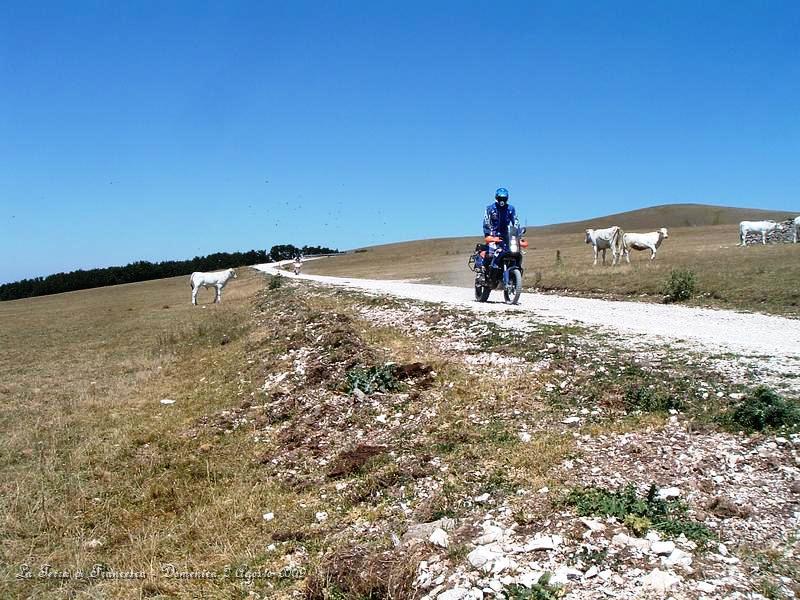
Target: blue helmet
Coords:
[(501, 195)]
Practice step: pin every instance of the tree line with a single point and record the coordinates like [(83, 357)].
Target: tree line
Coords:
[(143, 270)]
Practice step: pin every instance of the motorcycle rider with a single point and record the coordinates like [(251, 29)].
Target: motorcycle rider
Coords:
[(496, 220)]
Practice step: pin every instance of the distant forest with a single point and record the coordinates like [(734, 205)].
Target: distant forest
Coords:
[(143, 270)]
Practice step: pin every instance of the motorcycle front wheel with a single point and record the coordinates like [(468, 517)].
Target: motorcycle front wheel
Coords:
[(513, 291), (482, 292)]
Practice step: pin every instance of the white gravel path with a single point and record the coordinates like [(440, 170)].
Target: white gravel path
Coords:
[(775, 341)]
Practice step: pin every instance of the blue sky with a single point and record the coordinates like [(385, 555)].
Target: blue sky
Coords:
[(156, 131)]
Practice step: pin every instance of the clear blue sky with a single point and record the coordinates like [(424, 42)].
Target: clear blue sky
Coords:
[(152, 130)]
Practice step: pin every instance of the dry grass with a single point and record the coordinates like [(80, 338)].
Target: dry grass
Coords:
[(754, 278), (94, 470), (89, 453)]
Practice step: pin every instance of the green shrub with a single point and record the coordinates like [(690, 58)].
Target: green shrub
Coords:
[(275, 282), (638, 513), (648, 399), (542, 590), (762, 409), (378, 378), (680, 285)]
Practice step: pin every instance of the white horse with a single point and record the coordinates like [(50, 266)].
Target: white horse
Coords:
[(217, 280)]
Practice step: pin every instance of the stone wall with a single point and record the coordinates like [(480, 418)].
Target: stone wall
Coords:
[(782, 234)]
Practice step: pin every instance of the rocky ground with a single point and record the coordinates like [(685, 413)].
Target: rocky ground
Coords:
[(442, 453)]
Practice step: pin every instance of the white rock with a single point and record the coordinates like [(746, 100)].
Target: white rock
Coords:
[(321, 516), (605, 575), (623, 539), (593, 525), (501, 564), (529, 578), (723, 549), (439, 538), (668, 493), (564, 574), (592, 572), (93, 544), (706, 588), (662, 548), (167, 401), (481, 558), (570, 573), (571, 420), (271, 548), (659, 580), (496, 585), (454, 594), (677, 558), (491, 533), (268, 516), (474, 594), (482, 499), (542, 543), (524, 436), (653, 536)]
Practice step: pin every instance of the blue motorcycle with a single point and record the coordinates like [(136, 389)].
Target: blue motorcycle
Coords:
[(503, 266)]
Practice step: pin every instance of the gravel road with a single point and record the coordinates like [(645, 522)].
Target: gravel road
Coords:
[(773, 340)]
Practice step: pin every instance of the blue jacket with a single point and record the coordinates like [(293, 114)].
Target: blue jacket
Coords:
[(496, 220)]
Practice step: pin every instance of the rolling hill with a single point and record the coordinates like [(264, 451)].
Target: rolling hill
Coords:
[(702, 239), (669, 215)]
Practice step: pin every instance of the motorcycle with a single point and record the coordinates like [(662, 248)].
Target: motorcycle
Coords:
[(504, 267)]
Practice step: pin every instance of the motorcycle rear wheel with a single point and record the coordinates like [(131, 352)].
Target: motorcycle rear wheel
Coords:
[(513, 292)]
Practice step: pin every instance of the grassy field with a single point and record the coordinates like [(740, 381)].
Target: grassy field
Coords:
[(764, 279), (98, 476), (269, 459), (93, 468)]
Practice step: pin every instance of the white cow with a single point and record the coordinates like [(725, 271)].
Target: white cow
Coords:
[(643, 241), (762, 227), (604, 239), (796, 229), (217, 280)]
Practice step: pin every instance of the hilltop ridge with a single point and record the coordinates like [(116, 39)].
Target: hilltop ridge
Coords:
[(669, 215)]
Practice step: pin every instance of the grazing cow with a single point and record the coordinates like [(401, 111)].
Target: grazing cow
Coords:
[(604, 239), (796, 229), (643, 241), (762, 227), (217, 280)]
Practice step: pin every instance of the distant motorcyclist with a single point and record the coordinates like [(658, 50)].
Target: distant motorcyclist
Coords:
[(496, 220), (298, 264)]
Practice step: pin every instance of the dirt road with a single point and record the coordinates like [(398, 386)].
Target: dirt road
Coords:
[(773, 341)]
